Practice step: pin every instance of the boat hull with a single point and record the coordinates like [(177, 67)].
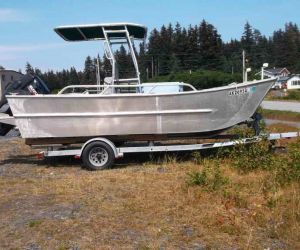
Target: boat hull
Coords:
[(134, 115)]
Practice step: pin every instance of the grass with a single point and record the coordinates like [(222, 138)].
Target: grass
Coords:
[(34, 223), (290, 95), (281, 115), (210, 177), (244, 198)]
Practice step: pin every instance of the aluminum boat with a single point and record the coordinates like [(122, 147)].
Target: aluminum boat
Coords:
[(126, 109)]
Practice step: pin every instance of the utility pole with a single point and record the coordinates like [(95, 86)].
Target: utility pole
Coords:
[(244, 66), (158, 66), (147, 73)]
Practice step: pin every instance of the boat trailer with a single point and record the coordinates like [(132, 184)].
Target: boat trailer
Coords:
[(100, 153)]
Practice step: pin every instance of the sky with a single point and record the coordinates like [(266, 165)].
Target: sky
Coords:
[(26, 26)]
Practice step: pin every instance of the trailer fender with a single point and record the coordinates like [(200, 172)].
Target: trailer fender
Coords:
[(108, 142)]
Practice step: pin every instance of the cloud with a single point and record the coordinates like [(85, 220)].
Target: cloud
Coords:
[(4, 58), (10, 53), (26, 48), (12, 15)]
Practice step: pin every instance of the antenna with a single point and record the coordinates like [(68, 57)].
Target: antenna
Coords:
[(244, 66)]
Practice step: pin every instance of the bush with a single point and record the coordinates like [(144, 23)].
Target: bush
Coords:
[(211, 177), (289, 169), (252, 156), (292, 95), (201, 79), (196, 156), (284, 168)]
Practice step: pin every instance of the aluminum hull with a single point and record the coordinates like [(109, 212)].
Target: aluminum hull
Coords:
[(134, 115)]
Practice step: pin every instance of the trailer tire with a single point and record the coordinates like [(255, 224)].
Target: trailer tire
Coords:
[(98, 155)]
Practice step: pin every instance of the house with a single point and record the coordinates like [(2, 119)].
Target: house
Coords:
[(7, 76), (293, 82), (288, 82), (276, 72)]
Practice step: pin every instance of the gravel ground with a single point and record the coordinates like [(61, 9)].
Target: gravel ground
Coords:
[(289, 123), (279, 105)]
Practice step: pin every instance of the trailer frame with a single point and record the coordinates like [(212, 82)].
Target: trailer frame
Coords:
[(113, 152)]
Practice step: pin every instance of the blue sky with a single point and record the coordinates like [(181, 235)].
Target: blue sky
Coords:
[(26, 26)]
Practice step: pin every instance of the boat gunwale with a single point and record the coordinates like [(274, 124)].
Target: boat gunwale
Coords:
[(216, 89)]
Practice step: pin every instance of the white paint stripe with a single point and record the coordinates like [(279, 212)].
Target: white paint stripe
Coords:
[(133, 113)]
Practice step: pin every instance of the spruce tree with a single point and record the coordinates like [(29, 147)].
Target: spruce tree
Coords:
[(73, 77), (29, 69), (247, 38), (143, 62), (154, 49), (193, 58), (89, 76), (180, 45), (210, 46)]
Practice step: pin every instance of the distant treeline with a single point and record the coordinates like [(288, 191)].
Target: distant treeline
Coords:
[(172, 49)]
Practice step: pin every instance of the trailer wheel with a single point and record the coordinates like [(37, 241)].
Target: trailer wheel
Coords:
[(98, 155)]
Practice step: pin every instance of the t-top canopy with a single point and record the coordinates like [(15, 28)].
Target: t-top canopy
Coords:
[(95, 31)]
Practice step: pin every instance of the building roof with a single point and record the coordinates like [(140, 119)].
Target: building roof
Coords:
[(95, 31), (286, 78), (276, 71), (283, 78)]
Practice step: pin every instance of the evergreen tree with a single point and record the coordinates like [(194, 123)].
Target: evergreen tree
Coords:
[(175, 64), (163, 62), (98, 63), (169, 50), (51, 79), (124, 62), (247, 38), (154, 49), (89, 73), (143, 62), (180, 45), (73, 77), (232, 53), (193, 57), (64, 78), (29, 69), (260, 49), (106, 67), (292, 45), (38, 72), (210, 46)]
